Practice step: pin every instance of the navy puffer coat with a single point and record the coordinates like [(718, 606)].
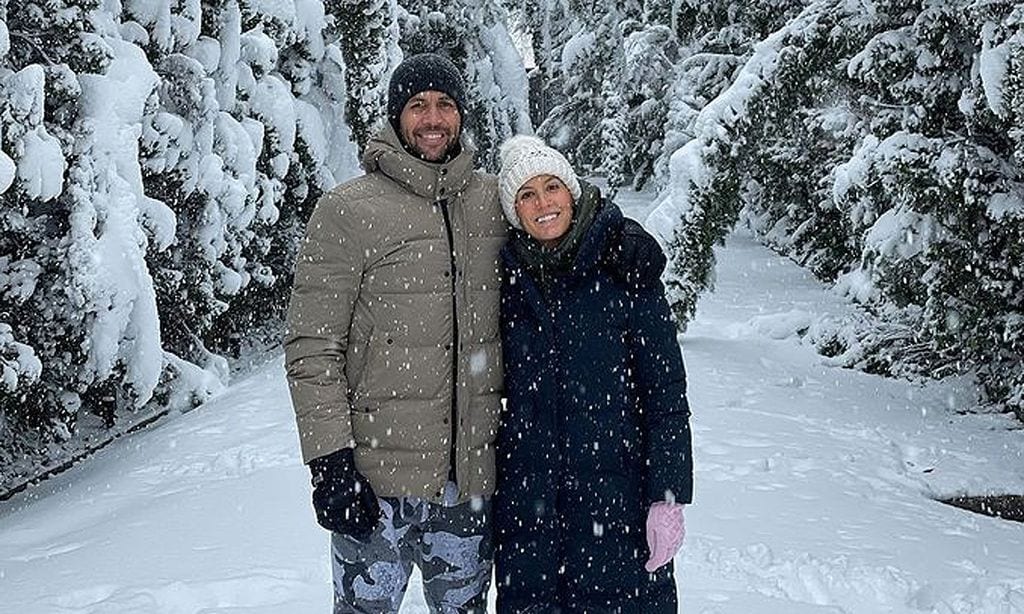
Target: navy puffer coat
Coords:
[(596, 428)]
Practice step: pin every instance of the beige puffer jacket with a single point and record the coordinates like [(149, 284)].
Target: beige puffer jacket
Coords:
[(393, 343)]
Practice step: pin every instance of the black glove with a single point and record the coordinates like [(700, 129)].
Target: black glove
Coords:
[(633, 256), (342, 498)]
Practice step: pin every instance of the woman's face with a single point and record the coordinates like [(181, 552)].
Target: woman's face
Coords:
[(544, 206)]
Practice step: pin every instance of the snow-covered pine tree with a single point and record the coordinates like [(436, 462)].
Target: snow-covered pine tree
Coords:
[(613, 134), (234, 150), (715, 39), (873, 146), (544, 27), (650, 52), (194, 278), (1004, 379), (594, 50), (702, 200), (475, 36), (43, 313), (973, 307), (159, 162), (368, 36), (930, 194), (292, 84)]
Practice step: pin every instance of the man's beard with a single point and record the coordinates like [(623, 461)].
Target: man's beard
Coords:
[(450, 153)]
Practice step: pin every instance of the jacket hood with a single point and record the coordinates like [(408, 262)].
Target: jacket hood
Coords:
[(433, 180)]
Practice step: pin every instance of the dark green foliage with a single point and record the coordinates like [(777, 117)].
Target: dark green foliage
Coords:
[(48, 32), (363, 29), (631, 50), (576, 125), (728, 154), (256, 314), (644, 85), (613, 135), (691, 264), (39, 309)]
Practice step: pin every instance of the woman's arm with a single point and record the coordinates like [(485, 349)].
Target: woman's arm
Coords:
[(660, 379)]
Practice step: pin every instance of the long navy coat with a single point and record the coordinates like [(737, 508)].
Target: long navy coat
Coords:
[(596, 428)]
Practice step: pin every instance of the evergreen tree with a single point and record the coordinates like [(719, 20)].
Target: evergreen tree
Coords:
[(293, 164), (594, 50), (42, 316), (878, 149), (159, 164), (368, 37), (709, 173), (613, 134), (650, 54), (715, 38), (545, 25)]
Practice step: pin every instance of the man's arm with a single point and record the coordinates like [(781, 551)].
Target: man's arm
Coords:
[(327, 277)]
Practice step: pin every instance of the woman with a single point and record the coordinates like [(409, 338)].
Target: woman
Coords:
[(595, 439)]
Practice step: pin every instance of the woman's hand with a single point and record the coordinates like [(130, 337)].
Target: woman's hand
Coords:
[(665, 532)]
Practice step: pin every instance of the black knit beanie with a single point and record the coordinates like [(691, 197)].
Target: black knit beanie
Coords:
[(419, 73)]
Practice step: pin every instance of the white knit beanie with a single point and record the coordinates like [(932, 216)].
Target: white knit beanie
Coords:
[(524, 157)]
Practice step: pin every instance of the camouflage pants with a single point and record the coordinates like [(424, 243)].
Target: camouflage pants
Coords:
[(450, 544)]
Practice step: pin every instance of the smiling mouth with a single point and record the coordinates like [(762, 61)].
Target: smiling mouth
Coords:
[(433, 136), (545, 218)]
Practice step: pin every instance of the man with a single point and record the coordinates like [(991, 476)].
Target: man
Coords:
[(393, 355)]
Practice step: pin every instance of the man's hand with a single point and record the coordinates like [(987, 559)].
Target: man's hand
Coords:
[(342, 498)]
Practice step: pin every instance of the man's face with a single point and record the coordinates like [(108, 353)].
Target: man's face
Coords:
[(430, 124)]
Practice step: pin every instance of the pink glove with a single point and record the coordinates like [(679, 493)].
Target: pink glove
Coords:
[(665, 531)]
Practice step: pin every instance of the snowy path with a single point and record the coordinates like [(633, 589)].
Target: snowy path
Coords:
[(815, 484), (814, 489)]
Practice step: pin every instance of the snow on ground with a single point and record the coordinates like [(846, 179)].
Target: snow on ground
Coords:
[(814, 488)]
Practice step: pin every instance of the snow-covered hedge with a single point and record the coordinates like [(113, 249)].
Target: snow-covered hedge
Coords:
[(157, 167)]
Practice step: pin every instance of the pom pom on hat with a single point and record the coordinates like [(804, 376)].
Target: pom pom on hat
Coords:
[(524, 157)]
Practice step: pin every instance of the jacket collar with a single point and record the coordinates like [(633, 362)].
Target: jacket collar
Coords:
[(431, 180), (594, 242)]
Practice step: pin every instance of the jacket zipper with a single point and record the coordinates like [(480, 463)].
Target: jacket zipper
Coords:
[(453, 450)]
